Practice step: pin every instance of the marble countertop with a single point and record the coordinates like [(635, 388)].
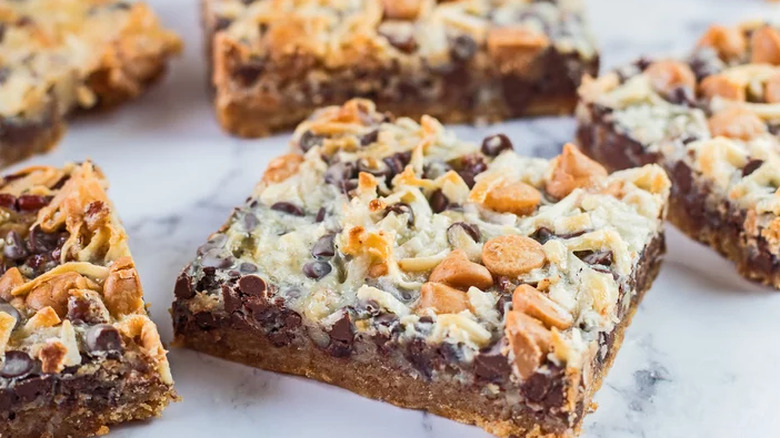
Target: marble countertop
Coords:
[(700, 359)]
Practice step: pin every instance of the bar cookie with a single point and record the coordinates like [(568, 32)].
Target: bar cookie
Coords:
[(77, 350), (712, 120), (390, 258), (60, 56), (460, 61)]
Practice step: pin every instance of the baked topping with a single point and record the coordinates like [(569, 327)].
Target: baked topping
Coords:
[(416, 236), (69, 284)]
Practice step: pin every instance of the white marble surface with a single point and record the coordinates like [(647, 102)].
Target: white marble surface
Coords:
[(700, 360)]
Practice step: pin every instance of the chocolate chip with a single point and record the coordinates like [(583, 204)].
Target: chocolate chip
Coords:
[(83, 308), (682, 96), (14, 247), (438, 201), (32, 202), (247, 268), (470, 229), (40, 242), (249, 72), (493, 145), (401, 208), (404, 42), (463, 48), (183, 288), (222, 23), (340, 172), (751, 166), (369, 138), (213, 259), (309, 140), (316, 269), (17, 364), (289, 208), (252, 285), (103, 338), (491, 365), (341, 337), (11, 310), (324, 247), (250, 222), (8, 201), (320, 215), (397, 162), (542, 235), (378, 168), (470, 166), (603, 258)]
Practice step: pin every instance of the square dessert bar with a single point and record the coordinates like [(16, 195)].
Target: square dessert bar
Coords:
[(60, 56), (460, 61), (390, 258), (77, 349), (712, 120)]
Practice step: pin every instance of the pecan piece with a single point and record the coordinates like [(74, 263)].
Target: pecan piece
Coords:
[(513, 197), (571, 170), (530, 301), (529, 341), (458, 271), (55, 292), (765, 43), (729, 42), (736, 122), (666, 76), (512, 255), (122, 289), (516, 50), (10, 280), (281, 168), (442, 298)]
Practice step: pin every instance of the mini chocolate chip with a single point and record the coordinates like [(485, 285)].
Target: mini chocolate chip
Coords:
[(470, 166), (401, 208), (316, 269), (542, 235), (320, 215), (103, 338), (247, 268), (751, 166), (286, 207), (214, 260), (493, 145), (17, 364), (403, 42), (324, 247), (8, 201), (339, 172), (14, 247), (11, 310), (249, 72), (183, 288), (470, 229), (438, 201), (682, 96), (32, 202), (309, 140), (595, 257), (341, 337), (463, 48), (378, 169), (252, 285), (491, 365), (642, 63), (426, 320), (369, 138)]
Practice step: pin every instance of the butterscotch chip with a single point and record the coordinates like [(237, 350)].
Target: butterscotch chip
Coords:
[(772, 89), (458, 271), (723, 86), (515, 197), (442, 298), (401, 9), (665, 76), (729, 42), (281, 168), (514, 49), (765, 44), (572, 170), (529, 341), (530, 301), (736, 122), (512, 255)]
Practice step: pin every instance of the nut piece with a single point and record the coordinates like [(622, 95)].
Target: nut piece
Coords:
[(401, 9), (442, 298), (281, 168), (765, 43), (515, 50), (572, 169), (54, 293), (723, 86), (122, 289), (512, 255), (458, 271), (729, 42), (771, 95), (529, 341), (517, 197), (665, 76), (736, 122), (9, 281), (530, 301), (52, 356)]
